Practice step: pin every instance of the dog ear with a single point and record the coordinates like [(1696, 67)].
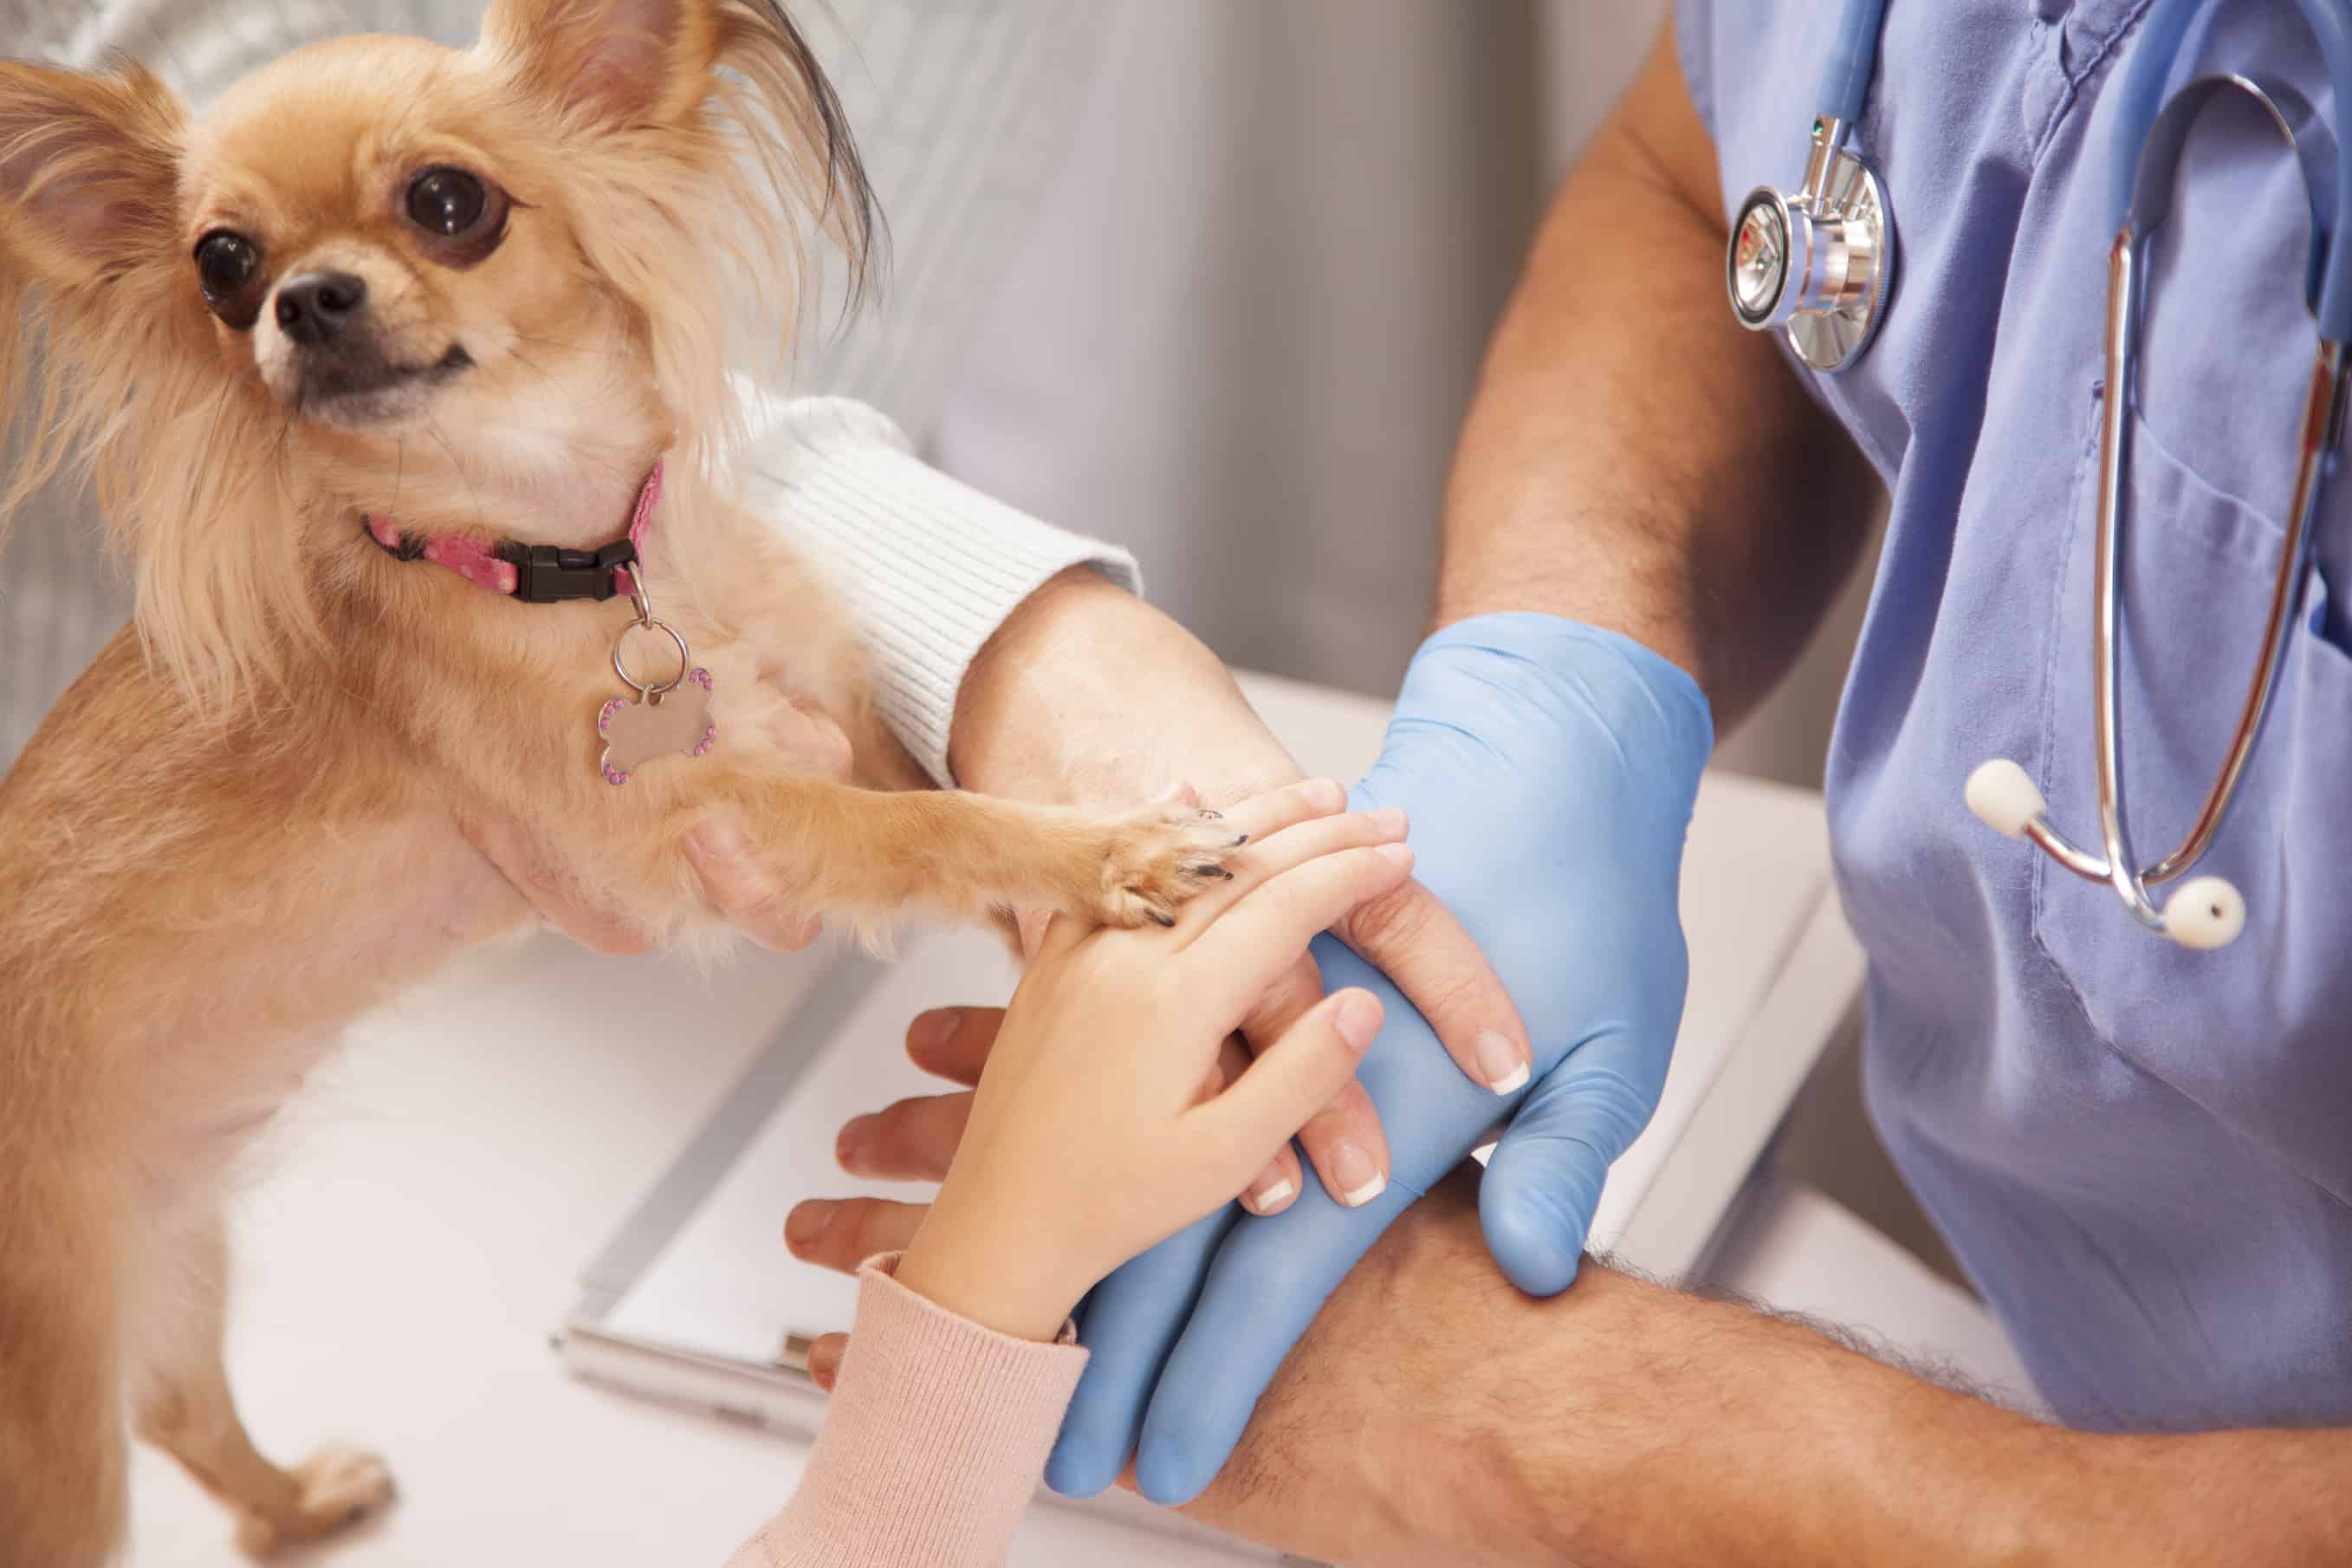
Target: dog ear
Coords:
[(616, 62), (88, 172), (622, 66)]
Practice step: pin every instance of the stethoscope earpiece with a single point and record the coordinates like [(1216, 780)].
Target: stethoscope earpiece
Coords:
[(2207, 912), (2004, 798)]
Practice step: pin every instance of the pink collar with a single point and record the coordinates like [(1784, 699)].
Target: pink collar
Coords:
[(535, 573)]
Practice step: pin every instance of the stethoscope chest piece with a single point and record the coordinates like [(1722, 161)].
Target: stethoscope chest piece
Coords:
[(1817, 265)]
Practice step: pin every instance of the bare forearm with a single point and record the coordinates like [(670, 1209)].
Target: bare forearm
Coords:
[(1435, 1414), (1633, 458)]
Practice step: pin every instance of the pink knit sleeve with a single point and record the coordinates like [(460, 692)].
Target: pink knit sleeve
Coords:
[(935, 1441)]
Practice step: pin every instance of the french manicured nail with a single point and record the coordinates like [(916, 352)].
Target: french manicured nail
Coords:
[(1391, 817), (1356, 1178), (851, 1140), (1324, 794), (1500, 1059), (1400, 853), (929, 1034), (1270, 1189), (807, 1221), (1359, 1019)]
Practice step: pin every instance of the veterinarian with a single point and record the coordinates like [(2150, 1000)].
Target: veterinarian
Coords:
[(2137, 1147)]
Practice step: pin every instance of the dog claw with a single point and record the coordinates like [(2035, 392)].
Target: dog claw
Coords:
[(1218, 872)]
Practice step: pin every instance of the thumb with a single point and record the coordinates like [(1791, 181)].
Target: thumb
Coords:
[(1544, 1181), (1309, 1065)]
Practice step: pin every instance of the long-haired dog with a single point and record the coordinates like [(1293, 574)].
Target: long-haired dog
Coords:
[(392, 317)]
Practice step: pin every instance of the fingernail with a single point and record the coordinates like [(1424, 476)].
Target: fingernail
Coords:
[(851, 1139), (1359, 1019), (1500, 1059), (1359, 1181), (1324, 794), (1271, 1189), (929, 1034), (1172, 793), (807, 1221), (1400, 853), (1391, 817), (823, 1365)]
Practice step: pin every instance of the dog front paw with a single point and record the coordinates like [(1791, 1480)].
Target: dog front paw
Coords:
[(1156, 858), (338, 1488)]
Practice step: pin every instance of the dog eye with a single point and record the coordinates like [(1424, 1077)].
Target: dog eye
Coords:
[(226, 265), (447, 202)]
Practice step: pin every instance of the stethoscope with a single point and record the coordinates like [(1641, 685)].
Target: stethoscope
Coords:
[(1819, 265)]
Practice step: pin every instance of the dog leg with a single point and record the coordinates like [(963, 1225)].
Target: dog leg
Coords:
[(873, 851), (187, 1411), (63, 1471)]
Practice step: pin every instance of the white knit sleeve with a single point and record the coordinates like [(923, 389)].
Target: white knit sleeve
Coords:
[(931, 567)]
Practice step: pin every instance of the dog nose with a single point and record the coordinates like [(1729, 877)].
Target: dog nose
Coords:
[(315, 308)]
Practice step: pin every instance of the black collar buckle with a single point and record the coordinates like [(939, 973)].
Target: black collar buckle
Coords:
[(545, 575)]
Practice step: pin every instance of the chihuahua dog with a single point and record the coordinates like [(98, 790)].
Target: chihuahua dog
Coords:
[(390, 326)]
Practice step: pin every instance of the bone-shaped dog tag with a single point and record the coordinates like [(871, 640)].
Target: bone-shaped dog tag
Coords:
[(636, 732)]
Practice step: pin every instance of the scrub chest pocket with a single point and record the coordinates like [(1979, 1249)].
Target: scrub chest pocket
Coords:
[(2260, 1033)]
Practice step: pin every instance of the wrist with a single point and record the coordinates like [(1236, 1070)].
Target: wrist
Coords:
[(1014, 1284), (1070, 704), (1577, 672)]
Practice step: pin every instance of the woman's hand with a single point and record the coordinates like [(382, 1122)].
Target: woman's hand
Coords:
[(1090, 1139)]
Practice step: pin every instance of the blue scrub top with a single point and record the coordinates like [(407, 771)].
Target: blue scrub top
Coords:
[(2142, 1156)]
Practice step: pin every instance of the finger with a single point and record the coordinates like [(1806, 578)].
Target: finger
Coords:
[(1062, 933), (1273, 854), (1303, 1072), (1285, 1003), (953, 1043), (1275, 1188), (810, 744), (1128, 1323), (1262, 935), (1544, 1183), (1348, 1146), (912, 1140), (1264, 815), (1031, 920), (1343, 1137), (740, 887), (842, 1234), (551, 889), (824, 1359), (1413, 939)]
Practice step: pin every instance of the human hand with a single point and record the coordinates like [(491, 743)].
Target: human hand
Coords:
[(1099, 1067), (732, 879), (1049, 712), (1549, 769), (1335, 1463)]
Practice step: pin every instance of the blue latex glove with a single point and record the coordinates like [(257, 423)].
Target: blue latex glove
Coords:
[(1550, 770)]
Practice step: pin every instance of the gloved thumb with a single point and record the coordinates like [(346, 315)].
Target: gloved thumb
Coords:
[(1544, 1181)]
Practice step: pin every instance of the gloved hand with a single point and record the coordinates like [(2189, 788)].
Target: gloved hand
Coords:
[(1548, 768)]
